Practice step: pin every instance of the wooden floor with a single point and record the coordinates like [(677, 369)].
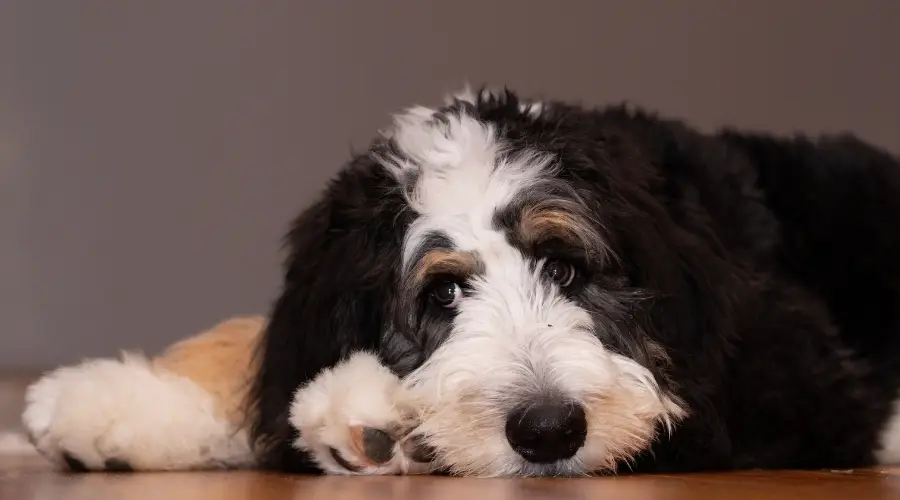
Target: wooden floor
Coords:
[(30, 478)]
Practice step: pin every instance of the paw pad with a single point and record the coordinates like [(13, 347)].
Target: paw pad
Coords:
[(377, 445), (117, 465), (358, 428), (73, 463)]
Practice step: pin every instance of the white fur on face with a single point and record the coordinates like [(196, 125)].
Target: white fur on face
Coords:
[(463, 177), (515, 337)]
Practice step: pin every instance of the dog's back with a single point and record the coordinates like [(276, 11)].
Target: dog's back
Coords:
[(837, 200)]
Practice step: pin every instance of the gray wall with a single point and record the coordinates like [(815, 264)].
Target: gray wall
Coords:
[(152, 153)]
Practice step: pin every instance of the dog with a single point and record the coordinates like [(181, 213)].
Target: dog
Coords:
[(501, 286)]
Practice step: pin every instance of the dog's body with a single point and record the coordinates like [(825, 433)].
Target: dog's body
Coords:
[(542, 289)]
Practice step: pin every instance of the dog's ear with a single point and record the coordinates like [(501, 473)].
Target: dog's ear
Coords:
[(342, 255)]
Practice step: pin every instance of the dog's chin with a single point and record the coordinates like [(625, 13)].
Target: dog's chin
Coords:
[(572, 467), (581, 465), (515, 466), (594, 459)]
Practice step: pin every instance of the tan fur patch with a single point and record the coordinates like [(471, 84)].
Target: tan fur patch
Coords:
[(219, 361), (446, 262), (538, 224)]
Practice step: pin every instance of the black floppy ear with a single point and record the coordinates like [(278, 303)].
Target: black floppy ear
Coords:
[(343, 251)]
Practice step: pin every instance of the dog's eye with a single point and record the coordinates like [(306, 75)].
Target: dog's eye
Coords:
[(446, 294), (560, 272)]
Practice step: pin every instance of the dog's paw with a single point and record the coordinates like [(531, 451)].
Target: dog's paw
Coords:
[(124, 415), (354, 419)]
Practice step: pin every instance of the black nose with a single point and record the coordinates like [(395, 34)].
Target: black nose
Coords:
[(547, 432)]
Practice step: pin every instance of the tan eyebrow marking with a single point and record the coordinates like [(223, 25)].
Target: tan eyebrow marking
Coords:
[(538, 224), (455, 263), (547, 221)]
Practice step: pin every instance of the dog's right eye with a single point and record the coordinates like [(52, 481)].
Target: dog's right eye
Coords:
[(560, 272), (446, 294)]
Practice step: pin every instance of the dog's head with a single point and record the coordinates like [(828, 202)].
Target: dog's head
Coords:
[(515, 264)]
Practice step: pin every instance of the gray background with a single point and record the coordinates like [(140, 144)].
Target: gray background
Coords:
[(152, 153)]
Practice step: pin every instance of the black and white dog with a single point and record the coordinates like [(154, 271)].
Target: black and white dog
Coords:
[(507, 287)]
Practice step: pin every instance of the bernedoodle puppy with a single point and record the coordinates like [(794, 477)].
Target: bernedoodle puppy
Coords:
[(507, 287)]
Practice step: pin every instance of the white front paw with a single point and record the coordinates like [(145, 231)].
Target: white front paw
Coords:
[(354, 419), (122, 414)]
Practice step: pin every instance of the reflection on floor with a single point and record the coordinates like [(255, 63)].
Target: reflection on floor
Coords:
[(32, 479)]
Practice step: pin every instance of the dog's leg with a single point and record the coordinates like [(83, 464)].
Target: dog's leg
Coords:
[(182, 410), (355, 419)]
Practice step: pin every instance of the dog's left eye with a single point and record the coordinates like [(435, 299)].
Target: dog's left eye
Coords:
[(446, 294), (560, 272)]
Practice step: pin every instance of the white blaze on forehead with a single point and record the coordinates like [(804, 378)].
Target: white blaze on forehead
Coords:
[(463, 174)]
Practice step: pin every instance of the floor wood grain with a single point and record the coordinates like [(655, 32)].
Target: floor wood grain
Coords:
[(31, 478)]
